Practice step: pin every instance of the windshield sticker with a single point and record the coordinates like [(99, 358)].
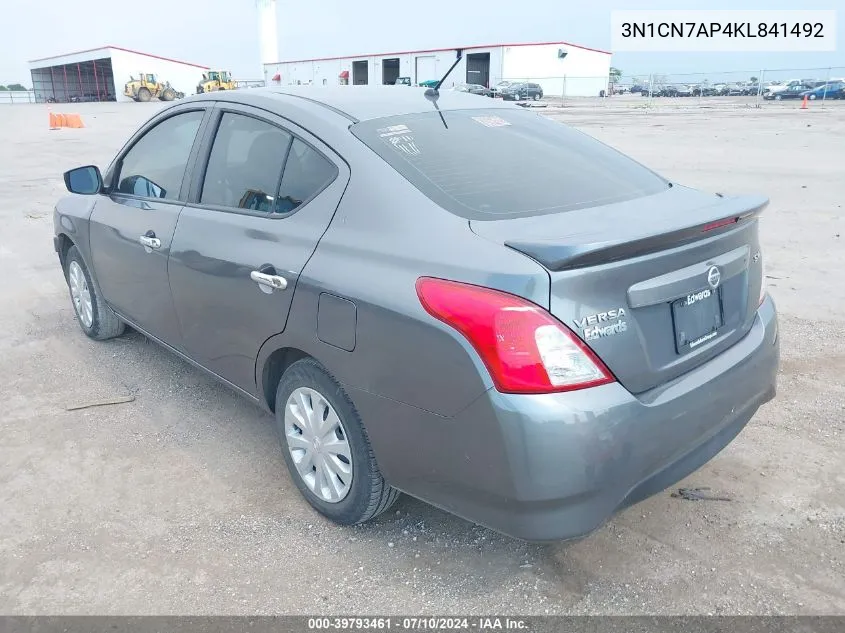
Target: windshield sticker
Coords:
[(491, 121), (393, 130), (406, 144)]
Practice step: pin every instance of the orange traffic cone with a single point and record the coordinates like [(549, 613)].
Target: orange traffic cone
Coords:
[(804, 103)]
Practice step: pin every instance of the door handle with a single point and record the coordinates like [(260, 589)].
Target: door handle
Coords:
[(273, 282), (150, 241)]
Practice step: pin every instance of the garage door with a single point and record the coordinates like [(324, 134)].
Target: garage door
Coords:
[(425, 68)]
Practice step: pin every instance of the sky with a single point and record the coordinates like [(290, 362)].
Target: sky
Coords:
[(223, 33)]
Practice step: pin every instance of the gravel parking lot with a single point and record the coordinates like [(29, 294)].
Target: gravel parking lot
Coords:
[(179, 502)]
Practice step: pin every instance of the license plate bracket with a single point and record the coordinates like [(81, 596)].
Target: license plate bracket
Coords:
[(697, 319)]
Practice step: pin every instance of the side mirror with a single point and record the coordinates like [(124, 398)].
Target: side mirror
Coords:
[(84, 180)]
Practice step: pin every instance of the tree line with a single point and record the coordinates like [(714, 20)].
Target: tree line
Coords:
[(13, 88)]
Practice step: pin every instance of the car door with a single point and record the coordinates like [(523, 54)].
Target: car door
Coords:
[(264, 193), (132, 223)]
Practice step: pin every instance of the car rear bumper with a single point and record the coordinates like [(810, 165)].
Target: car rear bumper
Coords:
[(557, 466)]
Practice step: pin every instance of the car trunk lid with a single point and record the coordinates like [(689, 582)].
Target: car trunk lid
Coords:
[(657, 285)]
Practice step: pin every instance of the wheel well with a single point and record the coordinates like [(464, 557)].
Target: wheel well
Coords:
[(65, 244), (275, 366)]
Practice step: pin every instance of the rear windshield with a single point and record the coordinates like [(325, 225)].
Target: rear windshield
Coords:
[(494, 164)]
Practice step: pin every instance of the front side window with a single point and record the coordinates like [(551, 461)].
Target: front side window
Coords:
[(245, 164), (155, 166)]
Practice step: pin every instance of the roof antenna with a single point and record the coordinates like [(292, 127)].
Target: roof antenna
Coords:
[(432, 94)]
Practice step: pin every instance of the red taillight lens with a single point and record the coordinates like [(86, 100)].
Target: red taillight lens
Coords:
[(525, 349)]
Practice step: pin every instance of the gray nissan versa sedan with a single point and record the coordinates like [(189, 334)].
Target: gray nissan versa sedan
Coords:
[(439, 294)]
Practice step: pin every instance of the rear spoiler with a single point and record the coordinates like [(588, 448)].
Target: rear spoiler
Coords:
[(558, 256)]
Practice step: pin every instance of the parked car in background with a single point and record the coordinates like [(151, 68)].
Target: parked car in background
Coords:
[(683, 91), (732, 90), (533, 344), (522, 92), (429, 83), (776, 87), (402, 81), (475, 89), (501, 87), (833, 90), (703, 91), (792, 92)]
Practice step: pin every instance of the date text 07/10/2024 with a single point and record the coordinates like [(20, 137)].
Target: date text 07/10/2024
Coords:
[(422, 623)]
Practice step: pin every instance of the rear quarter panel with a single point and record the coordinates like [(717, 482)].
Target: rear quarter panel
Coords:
[(384, 236)]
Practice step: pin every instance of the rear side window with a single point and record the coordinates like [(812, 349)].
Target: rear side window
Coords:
[(245, 164), (307, 173), (154, 167), (502, 163)]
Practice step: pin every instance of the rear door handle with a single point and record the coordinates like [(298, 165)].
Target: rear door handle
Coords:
[(150, 241), (272, 282)]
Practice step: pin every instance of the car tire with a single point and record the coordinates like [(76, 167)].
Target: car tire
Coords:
[(347, 492), (812, 97), (96, 319), (536, 96)]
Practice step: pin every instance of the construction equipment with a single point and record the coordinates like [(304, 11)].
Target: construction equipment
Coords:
[(215, 80), (147, 87)]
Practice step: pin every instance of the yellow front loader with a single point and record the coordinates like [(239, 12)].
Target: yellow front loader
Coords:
[(215, 80), (147, 87)]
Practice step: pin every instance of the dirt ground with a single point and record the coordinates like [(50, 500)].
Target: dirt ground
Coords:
[(179, 502)]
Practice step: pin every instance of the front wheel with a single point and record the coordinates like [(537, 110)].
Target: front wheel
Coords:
[(168, 95), (96, 319), (326, 448), (537, 96)]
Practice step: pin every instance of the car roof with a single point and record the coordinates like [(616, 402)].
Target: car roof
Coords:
[(359, 103)]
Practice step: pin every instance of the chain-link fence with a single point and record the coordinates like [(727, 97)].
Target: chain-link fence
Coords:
[(17, 96), (824, 86)]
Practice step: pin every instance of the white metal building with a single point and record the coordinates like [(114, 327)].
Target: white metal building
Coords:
[(99, 74), (556, 66)]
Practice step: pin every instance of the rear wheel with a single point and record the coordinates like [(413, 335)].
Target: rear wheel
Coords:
[(144, 94), (537, 96), (326, 447), (96, 319)]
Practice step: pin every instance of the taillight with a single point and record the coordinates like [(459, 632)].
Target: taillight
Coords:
[(525, 349), (719, 224)]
